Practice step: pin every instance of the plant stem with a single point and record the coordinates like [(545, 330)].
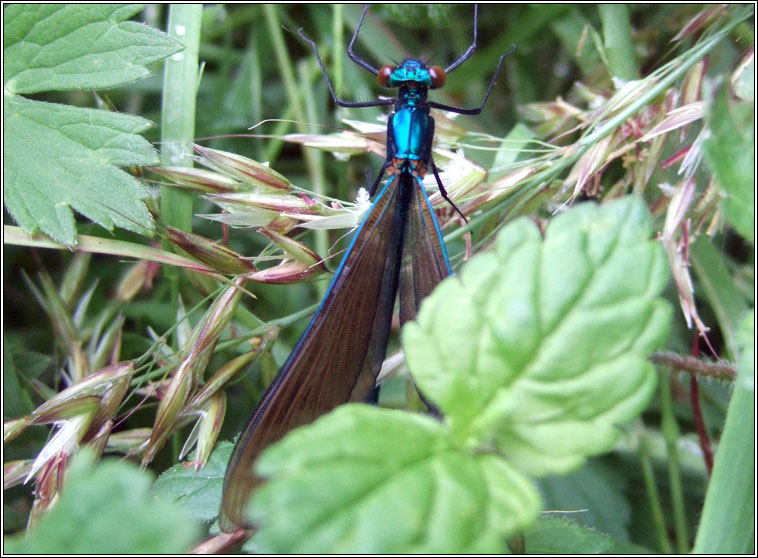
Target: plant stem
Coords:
[(670, 431), (313, 159), (702, 432), (694, 366), (178, 110), (178, 120), (664, 545), (338, 48)]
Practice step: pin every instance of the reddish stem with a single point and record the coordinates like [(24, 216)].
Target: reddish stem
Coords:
[(705, 442), (697, 414)]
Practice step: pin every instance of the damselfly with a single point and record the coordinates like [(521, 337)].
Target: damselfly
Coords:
[(398, 248)]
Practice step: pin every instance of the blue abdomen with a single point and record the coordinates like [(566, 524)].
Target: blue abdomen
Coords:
[(410, 132)]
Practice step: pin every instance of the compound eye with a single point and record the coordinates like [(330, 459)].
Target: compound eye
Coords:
[(438, 76), (384, 75)]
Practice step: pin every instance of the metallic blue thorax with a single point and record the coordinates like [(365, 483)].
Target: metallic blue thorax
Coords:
[(410, 130), (409, 133)]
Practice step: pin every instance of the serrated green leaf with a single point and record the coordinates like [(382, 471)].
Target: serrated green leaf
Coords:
[(540, 346), (199, 492), (560, 536), (369, 480), (59, 158), (593, 496), (107, 509), (729, 151), (61, 47)]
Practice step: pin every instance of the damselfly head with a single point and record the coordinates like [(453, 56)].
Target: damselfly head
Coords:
[(411, 73)]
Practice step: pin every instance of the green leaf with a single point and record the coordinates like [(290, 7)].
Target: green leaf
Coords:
[(62, 47), (743, 79), (16, 399), (29, 364), (199, 492), (560, 536), (59, 158), (716, 284), (593, 496), (107, 509), (369, 480), (570, 29), (617, 39), (512, 146), (727, 524), (540, 346), (729, 151)]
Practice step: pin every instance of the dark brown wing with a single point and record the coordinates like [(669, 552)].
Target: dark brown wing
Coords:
[(425, 261), (339, 355)]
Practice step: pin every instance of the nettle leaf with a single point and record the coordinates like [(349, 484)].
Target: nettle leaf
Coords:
[(199, 492), (108, 509), (560, 536), (595, 494), (729, 151), (540, 346), (87, 46), (370, 480), (58, 158)]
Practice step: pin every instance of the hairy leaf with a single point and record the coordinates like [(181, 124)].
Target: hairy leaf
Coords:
[(199, 492), (108, 509), (58, 158), (62, 158), (368, 480), (540, 346), (57, 47), (560, 536), (593, 496)]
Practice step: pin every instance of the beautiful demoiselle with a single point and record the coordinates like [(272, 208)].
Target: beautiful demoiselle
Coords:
[(398, 248)]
